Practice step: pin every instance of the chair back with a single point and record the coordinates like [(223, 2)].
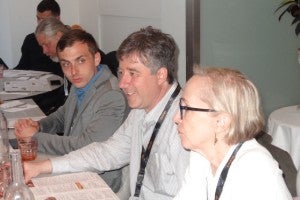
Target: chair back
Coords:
[(298, 183), (111, 61), (3, 63)]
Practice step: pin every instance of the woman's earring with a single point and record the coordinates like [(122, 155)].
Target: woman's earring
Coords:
[(216, 139)]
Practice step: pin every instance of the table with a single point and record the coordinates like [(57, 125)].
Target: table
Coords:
[(16, 84), (284, 127), (79, 185), (18, 109), (89, 184)]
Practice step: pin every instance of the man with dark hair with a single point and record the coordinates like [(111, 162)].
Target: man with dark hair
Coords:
[(148, 139), (48, 6), (32, 57)]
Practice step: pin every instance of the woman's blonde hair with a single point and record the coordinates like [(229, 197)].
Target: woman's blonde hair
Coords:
[(231, 92)]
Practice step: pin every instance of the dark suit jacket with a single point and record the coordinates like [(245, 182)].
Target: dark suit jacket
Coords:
[(3, 63), (33, 58)]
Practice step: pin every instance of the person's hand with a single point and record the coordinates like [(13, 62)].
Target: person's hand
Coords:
[(26, 128), (33, 169)]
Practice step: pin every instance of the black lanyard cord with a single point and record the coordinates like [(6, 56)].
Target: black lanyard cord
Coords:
[(224, 172), (145, 153)]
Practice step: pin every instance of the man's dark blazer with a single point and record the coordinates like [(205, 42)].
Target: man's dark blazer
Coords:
[(33, 58), (3, 63)]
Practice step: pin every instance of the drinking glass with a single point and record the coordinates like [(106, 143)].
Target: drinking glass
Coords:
[(28, 148)]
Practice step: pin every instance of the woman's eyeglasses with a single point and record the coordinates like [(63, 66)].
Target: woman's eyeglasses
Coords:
[(183, 108)]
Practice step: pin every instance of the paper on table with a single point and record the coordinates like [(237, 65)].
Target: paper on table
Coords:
[(23, 78), (11, 104), (31, 85), (22, 73), (20, 93), (20, 108), (44, 77), (82, 185)]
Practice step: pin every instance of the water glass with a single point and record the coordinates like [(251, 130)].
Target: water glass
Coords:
[(28, 148)]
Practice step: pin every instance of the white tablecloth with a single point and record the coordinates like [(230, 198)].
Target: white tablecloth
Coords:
[(284, 126)]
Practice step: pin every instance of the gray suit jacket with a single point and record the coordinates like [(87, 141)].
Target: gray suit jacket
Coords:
[(102, 111)]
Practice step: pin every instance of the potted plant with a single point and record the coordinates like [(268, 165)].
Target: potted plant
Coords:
[(293, 8)]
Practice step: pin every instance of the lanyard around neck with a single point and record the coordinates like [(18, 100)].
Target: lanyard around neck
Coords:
[(145, 153), (224, 172)]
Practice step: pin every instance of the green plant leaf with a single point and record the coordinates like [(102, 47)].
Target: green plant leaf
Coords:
[(284, 4), (287, 9), (296, 20), (293, 8)]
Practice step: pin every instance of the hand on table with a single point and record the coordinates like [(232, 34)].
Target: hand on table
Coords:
[(33, 169), (26, 128)]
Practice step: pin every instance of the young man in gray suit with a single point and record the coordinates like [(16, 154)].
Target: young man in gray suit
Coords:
[(95, 107)]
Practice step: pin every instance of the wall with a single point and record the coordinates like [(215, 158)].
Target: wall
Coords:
[(109, 21), (12, 25), (119, 18), (5, 44), (18, 18), (247, 35)]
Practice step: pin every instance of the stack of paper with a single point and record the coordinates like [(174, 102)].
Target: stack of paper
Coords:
[(31, 85), (23, 73), (82, 185), (27, 81)]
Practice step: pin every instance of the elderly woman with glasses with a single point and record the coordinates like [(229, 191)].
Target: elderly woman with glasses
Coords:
[(220, 114)]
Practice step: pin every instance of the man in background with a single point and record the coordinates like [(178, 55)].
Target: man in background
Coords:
[(32, 57), (47, 33)]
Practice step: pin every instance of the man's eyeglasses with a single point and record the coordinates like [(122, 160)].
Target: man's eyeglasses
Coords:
[(183, 108)]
